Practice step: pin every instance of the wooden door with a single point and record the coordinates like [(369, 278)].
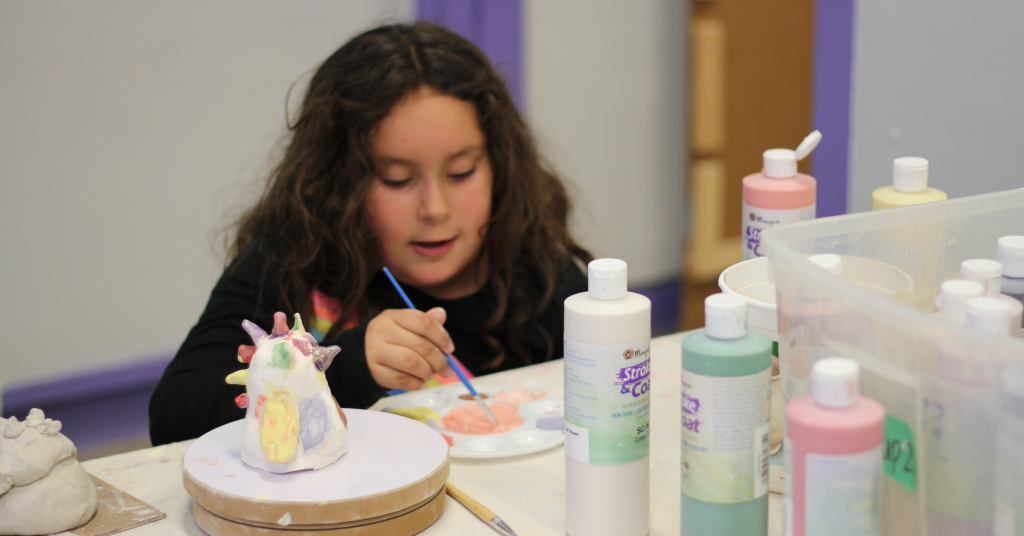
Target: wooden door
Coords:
[(750, 90)]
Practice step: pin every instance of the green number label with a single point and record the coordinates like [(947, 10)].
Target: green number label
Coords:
[(900, 453)]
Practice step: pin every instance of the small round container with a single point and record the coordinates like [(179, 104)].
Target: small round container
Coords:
[(752, 280)]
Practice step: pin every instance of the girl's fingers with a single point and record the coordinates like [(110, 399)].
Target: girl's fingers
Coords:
[(390, 378), (403, 359), (425, 326), (439, 314), (426, 349)]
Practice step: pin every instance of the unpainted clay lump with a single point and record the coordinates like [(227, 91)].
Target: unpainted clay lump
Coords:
[(43, 488)]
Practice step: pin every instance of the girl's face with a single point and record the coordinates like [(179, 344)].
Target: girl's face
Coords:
[(432, 194)]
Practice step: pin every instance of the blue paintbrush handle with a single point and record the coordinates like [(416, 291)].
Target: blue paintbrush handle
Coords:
[(451, 362), (461, 375), (405, 298)]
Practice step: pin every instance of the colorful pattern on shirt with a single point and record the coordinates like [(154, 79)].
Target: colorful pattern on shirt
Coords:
[(327, 311)]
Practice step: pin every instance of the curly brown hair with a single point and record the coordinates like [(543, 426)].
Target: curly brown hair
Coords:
[(315, 198)]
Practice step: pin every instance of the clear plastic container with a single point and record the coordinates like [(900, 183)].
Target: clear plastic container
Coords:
[(939, 382)]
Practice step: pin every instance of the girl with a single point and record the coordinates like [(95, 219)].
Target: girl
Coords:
[(407, 152)]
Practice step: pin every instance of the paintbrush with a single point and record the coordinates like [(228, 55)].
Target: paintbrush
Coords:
[(480, 510), (451, 362)]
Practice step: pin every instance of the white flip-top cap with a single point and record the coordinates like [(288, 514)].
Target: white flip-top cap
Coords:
[(1011, 255), (834, 382), (725, 316), (953, 298), (990, 315), (910, 174), (780, 163), (832, 264), (985, 271), (606, 279)]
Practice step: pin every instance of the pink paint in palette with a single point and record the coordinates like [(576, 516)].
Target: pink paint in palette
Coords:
[(470, 419), (519, 396), (526, 420)]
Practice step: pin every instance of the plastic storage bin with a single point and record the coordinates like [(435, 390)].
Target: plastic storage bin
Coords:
[(940, 383)]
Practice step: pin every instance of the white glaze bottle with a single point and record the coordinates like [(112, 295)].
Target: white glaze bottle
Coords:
[(989, 274), (964, 397), (607, 406)]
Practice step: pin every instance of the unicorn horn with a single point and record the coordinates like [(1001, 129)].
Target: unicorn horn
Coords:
[(280, 327)]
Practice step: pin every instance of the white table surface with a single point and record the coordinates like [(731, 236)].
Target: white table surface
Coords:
[(528, 492)]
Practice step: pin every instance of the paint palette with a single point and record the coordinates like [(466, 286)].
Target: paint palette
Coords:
[(541, 428)]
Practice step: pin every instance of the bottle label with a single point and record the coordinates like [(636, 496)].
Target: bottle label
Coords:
[(607, 401), (842, 492), (1010, 478), (959, 429), (1004, 521), (757, 219), (726, 436)]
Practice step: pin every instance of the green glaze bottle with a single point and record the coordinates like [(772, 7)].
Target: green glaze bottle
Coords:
[(726, 423)]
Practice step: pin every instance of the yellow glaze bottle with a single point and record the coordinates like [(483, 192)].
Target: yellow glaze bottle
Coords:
[(909, 185)]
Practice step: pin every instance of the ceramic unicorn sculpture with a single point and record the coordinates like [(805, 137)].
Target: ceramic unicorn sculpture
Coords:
[(43, 488), (291, 421)]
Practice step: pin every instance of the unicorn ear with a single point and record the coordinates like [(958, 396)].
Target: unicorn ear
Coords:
[(298, 325), (255, 332), (323, 356)]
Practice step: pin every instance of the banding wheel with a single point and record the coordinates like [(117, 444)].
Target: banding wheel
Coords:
[(395, 468)]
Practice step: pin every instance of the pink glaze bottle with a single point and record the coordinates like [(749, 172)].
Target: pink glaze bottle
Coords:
[(833, 450), (778, 194)]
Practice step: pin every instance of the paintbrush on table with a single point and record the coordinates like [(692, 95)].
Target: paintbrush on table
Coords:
[(479, 510), (451, 362)]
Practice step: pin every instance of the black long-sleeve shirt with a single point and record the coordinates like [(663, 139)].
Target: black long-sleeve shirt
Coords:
[(192, 397)]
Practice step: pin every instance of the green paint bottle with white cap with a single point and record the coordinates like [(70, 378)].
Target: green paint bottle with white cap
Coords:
[(726, 434)]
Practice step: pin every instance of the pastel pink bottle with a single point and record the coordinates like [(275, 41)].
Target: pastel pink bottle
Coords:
[(833, 449), (778, 194)]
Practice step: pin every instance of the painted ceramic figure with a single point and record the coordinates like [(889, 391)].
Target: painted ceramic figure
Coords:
[(291, 422)]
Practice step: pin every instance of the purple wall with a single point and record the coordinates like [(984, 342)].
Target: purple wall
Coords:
[(95, 407), (833, 56), (493, 25)]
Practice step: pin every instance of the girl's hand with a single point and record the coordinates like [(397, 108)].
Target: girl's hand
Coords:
[(404, 347)]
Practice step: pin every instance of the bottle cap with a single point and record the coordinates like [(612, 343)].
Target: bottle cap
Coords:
[(780, 163), (1011, 255), (910, 174), (725, 316), (810, 142), (990, 315), (606, 279), (834, 382), (953, 299), (832, 264), (985, 271)]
